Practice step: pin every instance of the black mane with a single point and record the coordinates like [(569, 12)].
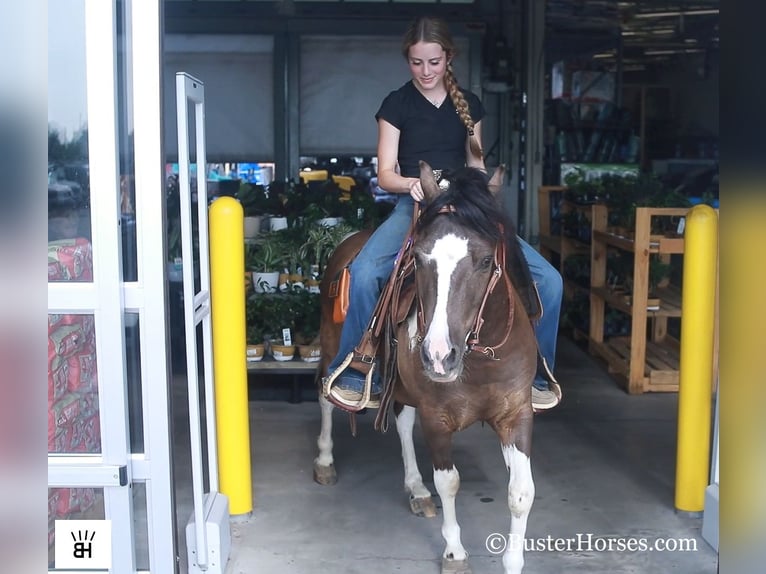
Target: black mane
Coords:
[(476, 208)]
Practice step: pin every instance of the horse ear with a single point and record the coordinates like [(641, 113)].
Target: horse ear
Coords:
[(496, 181), (428, 182)]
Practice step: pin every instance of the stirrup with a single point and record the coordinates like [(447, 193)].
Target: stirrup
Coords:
[(331, 394)]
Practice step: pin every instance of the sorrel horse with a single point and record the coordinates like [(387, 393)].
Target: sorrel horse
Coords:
[(466, 351)]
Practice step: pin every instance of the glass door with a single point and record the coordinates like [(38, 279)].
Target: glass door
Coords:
[(108, 428)]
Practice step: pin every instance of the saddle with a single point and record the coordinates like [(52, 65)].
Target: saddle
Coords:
[(392, 308)]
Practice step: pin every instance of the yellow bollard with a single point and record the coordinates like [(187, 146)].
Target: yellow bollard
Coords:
[(696, 367), (227, 293)]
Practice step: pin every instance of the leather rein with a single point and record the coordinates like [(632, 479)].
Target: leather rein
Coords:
[(472, 340)]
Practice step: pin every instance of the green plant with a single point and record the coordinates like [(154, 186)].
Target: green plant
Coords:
[(255, 319), (303, 307), (266, 254), (659, 270), (254, 198)]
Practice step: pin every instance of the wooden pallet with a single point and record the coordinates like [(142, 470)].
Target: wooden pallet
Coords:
[(660, 365)]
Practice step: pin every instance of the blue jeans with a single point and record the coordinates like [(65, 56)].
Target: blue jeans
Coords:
[(551, 289), (372, 267)]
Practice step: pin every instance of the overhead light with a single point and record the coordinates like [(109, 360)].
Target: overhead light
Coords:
[(654, 32), (676, 13), (603, 55), (671, 52)]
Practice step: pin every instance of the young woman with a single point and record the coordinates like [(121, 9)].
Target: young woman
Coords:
[(429, 118)]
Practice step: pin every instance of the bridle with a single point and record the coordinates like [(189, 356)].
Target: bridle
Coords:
[(472, 340)]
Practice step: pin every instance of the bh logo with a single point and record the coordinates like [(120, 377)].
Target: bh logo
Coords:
[(83, 547), (83, 544)]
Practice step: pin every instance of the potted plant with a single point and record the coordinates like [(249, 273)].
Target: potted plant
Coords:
[(254, 200), (265, 260), (254, 329), (305, 308), (279, 321)]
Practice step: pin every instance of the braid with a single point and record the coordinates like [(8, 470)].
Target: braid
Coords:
[(456, 95)]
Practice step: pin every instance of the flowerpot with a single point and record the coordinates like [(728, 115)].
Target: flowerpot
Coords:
[(278, 223), (281, 352), (310, 353), (284, 282), (296, 280), (329, 221), (265, 282), (252, 226), (248, 281), (312, 285), (255, 352)]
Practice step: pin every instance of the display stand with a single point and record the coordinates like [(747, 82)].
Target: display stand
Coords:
[(646, 362)]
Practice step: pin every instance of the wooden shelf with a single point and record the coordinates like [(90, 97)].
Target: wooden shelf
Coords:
[(646, 363), (657, 244), (553, 243), (670, 301), (660, 372), (294, 366), (562, 245)]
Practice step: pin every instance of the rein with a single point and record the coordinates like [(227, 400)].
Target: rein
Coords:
[(472, 338)]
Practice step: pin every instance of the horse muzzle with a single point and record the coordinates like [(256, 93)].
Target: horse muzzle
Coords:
[(442, 366)]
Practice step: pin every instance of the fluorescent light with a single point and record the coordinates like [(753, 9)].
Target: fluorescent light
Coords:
[(676, 13), (670, 52), (655, 32)]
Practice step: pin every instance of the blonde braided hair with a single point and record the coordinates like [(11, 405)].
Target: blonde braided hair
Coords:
[(458, 100), (435, 30)]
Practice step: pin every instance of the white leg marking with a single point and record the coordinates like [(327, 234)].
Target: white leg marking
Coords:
[(447, 484), (413, 481), (324, 442), (521, 494), (447, 251)]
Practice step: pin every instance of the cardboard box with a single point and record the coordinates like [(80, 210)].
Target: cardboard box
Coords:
[(593, 86)]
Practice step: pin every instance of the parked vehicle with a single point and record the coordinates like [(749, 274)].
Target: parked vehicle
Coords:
[(74, 175)]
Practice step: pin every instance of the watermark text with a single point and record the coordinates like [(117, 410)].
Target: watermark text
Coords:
[(497, 543)]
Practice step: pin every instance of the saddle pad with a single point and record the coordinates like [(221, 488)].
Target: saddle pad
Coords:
[(338, 292)]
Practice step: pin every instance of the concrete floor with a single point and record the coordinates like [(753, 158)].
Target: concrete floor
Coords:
[(603, 463)]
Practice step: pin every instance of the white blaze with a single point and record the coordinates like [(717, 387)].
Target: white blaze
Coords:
[(446, 254)]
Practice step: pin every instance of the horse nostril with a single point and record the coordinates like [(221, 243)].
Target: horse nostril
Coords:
[(452, 357)]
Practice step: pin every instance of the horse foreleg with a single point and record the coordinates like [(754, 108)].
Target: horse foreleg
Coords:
[(521, 494), (324, 467), (421, 503), (447, 482)]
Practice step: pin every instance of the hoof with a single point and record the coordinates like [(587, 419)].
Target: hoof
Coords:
[(325, 475), (455, 566), (423, 507)]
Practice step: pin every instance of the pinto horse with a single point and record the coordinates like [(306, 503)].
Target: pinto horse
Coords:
[(466, 351)]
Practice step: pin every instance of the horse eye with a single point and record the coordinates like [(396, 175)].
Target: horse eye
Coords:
[(486, 262)]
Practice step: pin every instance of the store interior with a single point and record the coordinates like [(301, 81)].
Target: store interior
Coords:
[(598, 108)]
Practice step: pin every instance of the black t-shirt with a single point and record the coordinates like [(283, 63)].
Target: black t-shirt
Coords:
[(434, 135)]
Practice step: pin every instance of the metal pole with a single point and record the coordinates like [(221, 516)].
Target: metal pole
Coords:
[(227, 290), (696, 366)]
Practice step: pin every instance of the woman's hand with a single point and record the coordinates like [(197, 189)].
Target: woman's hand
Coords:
[(416, 190)]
